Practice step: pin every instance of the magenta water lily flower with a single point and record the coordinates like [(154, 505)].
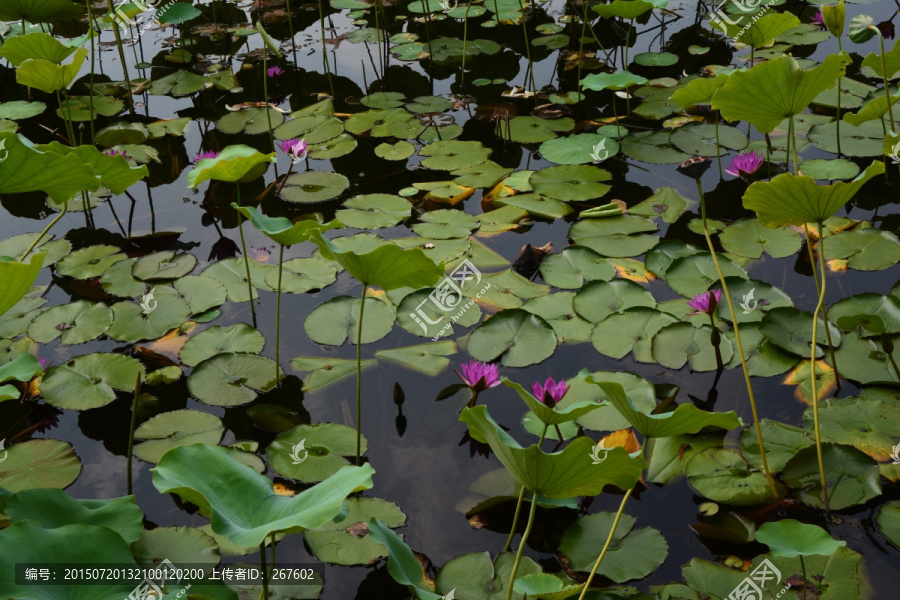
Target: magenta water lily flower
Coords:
[(112, 152), (275, 71), (296, 149), (819, 20), (207, 154), (479, 376), (551, 392), (745, 164), (702, 303)]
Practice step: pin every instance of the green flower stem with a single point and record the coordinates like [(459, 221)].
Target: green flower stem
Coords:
[(265, 74), (716, 341), (528, 51), (888, 346), (278, 314), (462, 82), (812, 367), (515, 569), (246, 258), (70, 132), (793, 144), (65, 208), (584, 22), (264, 595), (515, 522), (134, 404), (740, 345), (272, 546), (838, 122), (609, 539), (718, 151), (324, 49), (884, 74), (359, 326), (90, 14), (803, 572), (115, 28), (812, 262)]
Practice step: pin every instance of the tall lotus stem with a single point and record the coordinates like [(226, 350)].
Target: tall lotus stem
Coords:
[(838, 122), (278, 314), (527, 50), (90, 13), (324, 49), (584, 21), (515, 522), (265, 73), (264, 595), (359, 326), (812, 366), (115, 28), (718, 148), (37, 240), (246, 258), (515, 569), (793, 143), (462, 82), (812, 262), (884, 74), (609, 538), (134, 405), (740, 346)]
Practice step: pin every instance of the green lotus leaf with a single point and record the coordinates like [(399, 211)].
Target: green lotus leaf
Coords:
[(748, 95), (39, 464), (599, 299), (23, 368), (517, 336), (40, 11), (271, 44), (163, 265), (634, 554), (177, 13), (573, 266), (75, 543), (571, 183), (838, 168), (399, 151), (314, 186), (53, 508), (89, 262), (179, 83), (226, 491), (74, 323), (231, 273), (315, 129), (132, 324), (429, 359), (617, 236), (759, 297), (546, 586), (579, 149), (874, 109), (231, 379), (670, 455), (387, 266), (114, 171), (655, 59), (791, 329), (313, 453), (666, 203), (536, 205), (851, 476), (17, 245), (335, 321), (452, 155), (548, 415), (474, 577), (749, 238), (446, 224), (483, 175), (90, 381), (238, 338), (251, 120), (630, 330), (762, 32), (861, 29), (694, 274), (335, 544), (17, 278), (47, 76), (687, 418), (612, 81), (416, 314), (24, 168), (383, 100), (891, 59), (123, 133), (325, 371), (888, 520), (15, 321), (402, 564), (653, 147), (38, 45), (280, 229), (723, 475), (867, 139), (301, 275), (179, 545), (782, 442), (559, 311), (533, 130), (201, 293), (235, 163), (698, 91), (865, 249), (571, 472), (174, 429), (863, 361)]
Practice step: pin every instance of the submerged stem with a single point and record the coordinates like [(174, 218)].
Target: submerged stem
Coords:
[(606, 545), (359, 326), (740, 345)]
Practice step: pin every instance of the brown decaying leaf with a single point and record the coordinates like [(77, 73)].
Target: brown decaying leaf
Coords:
[(628, 268), (358, 530), (623, 438), (168, 346), (529, 259), (283, 490), (826, 383)]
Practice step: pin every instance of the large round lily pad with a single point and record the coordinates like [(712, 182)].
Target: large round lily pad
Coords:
[(314, 186), (313, 453), (723, 475), (347, 542), (335, 321), (39, 464), (571, 183), (131, 322), (239, 338), (176, 428), (90, 381), (570, 268), (518, 337), (851, 476), (619, 237), (232, 379), (599, 299), (74, 323)]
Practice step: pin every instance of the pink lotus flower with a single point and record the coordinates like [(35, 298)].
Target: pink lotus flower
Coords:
[(479, 376), (551, 392), (43, 362), (703, 303), (745, 164), (207, 154), (819, 20), (295, 148), (275, 71), (112, 152)]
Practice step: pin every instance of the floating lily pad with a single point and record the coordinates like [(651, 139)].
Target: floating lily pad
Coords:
[(347, 542), (372, 211), (534, 130), (694, 274), (723, 475), (782, 442), (856, 140), (699, 139), (680, 343), (383, 99), (314, 186), (558, 310), (74, 323), (163, 265), (176, 428), (238, 338), (200, 292), (90, 381), (231, 379), (599, 299), (131, 323), (302, 275), (633, 554), (749, 238), (117, 280), (666, 203), (231, 273), (791, 330), (537, 205), (631, 330), (654, 147), (325, 371), (669, 455), (313, 453), (89, 262), (54, 508), (251, 120), (451, 155), (399, 151), (178, 545), (571, 183), (518, 337), (39, 464), (444, 224), (475, 577), (888, 520), (335, 321), (838, 168), (429, 359), (15, 321), (16, 246), (864, 249), (573, 266), (620, 236), (862, 361), (656, 59), (422, 316), (483, 175), (851, 476), (886, 308), (579, 149)]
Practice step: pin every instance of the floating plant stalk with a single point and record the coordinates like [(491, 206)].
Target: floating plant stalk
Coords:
[(246, 258), (528, 526), (65, 208), (812, 262), (740, 346), (884, 75), (278, 316), (606, 545), (115, 29), (528, 50), (515, 522), (90, 13), (359, 326), (812, 364), (264, 595), (134, 405)]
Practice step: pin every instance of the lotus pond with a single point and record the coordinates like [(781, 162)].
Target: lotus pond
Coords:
[(474, 301)]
